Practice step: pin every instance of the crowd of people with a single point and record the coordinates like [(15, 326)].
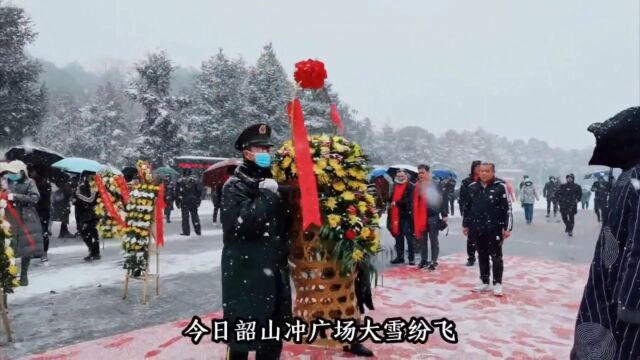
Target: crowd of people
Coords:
[(39, 202), (418, 212)]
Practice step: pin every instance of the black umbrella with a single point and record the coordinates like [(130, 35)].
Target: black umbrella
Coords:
[(34, 155)]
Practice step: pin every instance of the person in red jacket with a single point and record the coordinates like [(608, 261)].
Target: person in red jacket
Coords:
[(400, 219)]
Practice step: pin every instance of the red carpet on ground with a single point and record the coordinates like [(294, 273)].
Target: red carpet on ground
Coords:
[(533, 320)]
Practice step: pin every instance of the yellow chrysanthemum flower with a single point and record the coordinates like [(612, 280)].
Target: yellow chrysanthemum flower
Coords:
[(323, 178), (355, 185), (286, 162), (348, 195), (353, 219), (370, 199), (9, 252), (362, 206), (339, 147), (324, 138), (331, 203), (334, 220), (357, 255), (294, 169), (339, 186), (340, 172), (13, 270), (334, 163), (322, 164), (366, 232)]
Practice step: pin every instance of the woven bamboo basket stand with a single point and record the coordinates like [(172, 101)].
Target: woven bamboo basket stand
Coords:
[(320, 290)]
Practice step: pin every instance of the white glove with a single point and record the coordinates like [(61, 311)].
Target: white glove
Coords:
[(269, 184)]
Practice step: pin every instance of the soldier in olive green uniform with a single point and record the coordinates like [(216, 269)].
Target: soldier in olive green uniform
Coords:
[(255, 271)]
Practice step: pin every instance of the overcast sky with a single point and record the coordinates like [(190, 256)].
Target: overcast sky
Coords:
[(544, 69)]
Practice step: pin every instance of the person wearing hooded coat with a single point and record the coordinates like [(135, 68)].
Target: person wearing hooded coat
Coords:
[(528, 197), (22, 193), (608, 320), (569, 195), (463, 202), (255, 224)]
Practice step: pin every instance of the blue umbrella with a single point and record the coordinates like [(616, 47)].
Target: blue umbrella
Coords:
[(377, 172), (443, 174), (79, 165)]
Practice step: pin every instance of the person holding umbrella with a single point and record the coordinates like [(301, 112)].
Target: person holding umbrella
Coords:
[(39, 175), (168, 197), (22, 193), (601, 189)]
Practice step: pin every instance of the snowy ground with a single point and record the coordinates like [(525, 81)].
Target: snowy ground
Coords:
[(70, 301)]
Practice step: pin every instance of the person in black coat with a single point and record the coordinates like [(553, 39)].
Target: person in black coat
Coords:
[(216, 199), (433, 199), (449, 197), (85, 201), (400, 218), (608, 320), (463, 202), (255, 222), (61, 205), (601, 189), (549, 193), (188, 198), (169, 193), (488, 219), (39, 175), (569, 195)]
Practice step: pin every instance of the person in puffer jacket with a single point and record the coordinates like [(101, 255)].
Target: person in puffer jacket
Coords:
[(528, 197)]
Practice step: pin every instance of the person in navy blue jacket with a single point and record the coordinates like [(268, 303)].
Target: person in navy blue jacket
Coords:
[(608, 322)]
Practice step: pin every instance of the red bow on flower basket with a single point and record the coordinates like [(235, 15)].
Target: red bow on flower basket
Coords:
[(310, 74)]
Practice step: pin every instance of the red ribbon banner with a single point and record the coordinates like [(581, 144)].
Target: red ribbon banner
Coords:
[(124, 188), (160, 206), (108, 202), (24, 228), (335, 115), (309, 200)]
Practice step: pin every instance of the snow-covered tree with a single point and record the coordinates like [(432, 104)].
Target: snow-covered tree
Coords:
[(268, 90), (60, 125), (22, 98), (105, 130), (218, 111), (159, 138)]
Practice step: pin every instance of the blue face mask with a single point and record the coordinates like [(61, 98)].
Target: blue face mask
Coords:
[(263, 160), (14, 177)]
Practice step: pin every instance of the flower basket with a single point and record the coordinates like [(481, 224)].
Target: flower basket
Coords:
[(325, 259), (321, 292)]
